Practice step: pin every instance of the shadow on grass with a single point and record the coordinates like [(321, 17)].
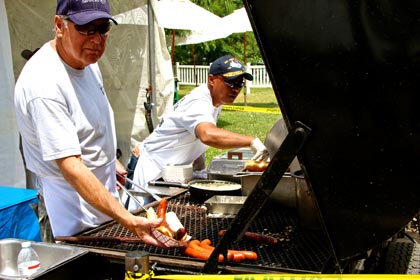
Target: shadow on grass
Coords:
[(223, 123)]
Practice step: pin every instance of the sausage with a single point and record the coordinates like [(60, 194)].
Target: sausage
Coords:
[(248, 255), (203, 250), (181, 234), (191, 252), (161, 213), (196, 245), (161, 210), (261, 238), (235, 256), (232, 255), (205, 243), (197, 251)]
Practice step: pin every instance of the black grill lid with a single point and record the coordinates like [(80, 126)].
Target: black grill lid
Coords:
[(349, 70)]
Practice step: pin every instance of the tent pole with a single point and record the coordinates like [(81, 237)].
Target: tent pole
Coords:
[(173, 48), (245, 89), (244, 48), (195, 69), (152, 74)]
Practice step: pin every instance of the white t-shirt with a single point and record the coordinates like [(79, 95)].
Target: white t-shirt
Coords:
[(174, 141), (61, 112)]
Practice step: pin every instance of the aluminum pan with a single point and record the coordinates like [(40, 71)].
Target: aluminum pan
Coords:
[(51, 256), (349, 71)]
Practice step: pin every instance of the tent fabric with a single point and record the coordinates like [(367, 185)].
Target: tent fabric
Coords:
[(183, 14), (124, 65), (172, 14), (236, 22), (180, 14), (200, 36), (12, 171)]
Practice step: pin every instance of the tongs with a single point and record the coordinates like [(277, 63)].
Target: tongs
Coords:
[(132, 196), (156, 197)]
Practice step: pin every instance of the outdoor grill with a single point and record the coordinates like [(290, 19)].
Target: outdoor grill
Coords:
[(299, 249), (346, 76)]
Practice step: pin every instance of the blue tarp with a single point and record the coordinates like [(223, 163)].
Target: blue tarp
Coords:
[(17, 218)]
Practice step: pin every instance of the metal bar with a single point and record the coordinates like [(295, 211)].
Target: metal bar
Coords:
[(140, 187), (152, 62), (262, 191), (83, 239)]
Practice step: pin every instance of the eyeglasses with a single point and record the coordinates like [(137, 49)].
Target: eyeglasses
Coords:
[(90, 29), (235, 84)]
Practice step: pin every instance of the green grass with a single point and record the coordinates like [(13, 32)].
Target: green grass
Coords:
[(249, 123)]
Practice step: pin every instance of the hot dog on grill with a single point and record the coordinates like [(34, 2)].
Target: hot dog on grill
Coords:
[(195, 250), (233, 255), (203, 250), (261, 238), (255, 165)]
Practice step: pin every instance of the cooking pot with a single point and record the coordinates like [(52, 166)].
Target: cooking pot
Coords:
[(291, 191), (201, 190), (284, 193)]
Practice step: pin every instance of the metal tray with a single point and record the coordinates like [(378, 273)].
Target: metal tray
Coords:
[(224, 204)]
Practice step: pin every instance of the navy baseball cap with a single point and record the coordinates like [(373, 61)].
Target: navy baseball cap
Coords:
[(230, 68), (84, 11)]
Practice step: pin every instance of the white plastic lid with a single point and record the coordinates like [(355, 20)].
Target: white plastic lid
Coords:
[(26, 244)]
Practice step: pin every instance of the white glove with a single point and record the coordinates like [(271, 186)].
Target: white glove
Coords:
[(260, 151)]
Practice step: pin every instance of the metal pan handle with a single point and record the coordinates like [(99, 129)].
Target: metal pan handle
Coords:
[(167, 184)]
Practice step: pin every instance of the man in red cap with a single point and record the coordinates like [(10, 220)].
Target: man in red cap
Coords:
[(67, 124)]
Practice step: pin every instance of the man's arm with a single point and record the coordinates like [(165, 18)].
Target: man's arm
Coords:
[(92, 190), (220, 138)]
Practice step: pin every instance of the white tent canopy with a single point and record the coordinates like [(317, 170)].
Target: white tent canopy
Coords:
[(179, 14), (185, 15), (236, 22)]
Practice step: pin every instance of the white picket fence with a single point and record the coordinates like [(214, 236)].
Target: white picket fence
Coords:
[(197, 75)]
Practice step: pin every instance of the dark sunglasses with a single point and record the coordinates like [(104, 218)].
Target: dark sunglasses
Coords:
[(234, 84), (91, 29)]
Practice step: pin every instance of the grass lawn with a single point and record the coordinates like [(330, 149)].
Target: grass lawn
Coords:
[(250, 123)]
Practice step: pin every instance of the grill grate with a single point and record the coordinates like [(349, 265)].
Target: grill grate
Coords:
[(300, 249)]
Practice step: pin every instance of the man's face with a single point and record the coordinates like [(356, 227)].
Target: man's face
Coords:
[(82, 45), (225, 91)]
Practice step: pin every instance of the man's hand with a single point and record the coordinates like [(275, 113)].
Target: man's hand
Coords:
[(120, 170), (260, 151)]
